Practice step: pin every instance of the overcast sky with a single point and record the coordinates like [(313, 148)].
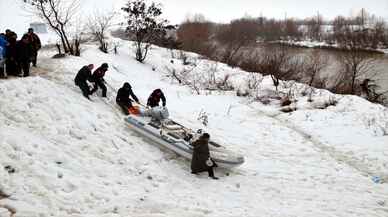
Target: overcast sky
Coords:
[(225, 10)]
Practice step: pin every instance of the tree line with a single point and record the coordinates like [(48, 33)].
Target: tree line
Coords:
[(244, 42)]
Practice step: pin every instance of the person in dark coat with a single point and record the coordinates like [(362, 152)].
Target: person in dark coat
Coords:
[(3, 53), (23, 56), (155, 97), (36, 45), (201, 161), (123, 98), (11, 64), (81, 79), (98, 78), (10, 34)]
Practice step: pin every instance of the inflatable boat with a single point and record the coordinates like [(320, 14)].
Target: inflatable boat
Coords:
[(177, 138)]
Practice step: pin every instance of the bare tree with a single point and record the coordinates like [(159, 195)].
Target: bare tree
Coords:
[(58, 14), (315, 63), (356, 66), (379, 33), (194, 34), (98, 24), (144, 25), (355, 61), (314, 27), (280, 65), (236, 35), (291, 29), (271, 30)]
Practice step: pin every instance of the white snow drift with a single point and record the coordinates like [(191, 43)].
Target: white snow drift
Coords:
[(73, 157)]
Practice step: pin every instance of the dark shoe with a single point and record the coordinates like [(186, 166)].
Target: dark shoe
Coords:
[(215, 178), (194, 173)]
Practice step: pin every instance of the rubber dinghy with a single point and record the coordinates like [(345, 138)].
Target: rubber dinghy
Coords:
[(177, 138)]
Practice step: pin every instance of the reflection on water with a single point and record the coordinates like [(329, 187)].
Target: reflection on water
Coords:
[(380, 69)]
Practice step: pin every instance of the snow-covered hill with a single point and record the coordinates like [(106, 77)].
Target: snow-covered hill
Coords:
[(73, 157)]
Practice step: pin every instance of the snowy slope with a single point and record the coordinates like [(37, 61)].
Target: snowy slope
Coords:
[(77, 158)]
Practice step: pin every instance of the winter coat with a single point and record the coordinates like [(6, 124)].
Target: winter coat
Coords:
[(3, 46), (83, 75), (99, 74), (11, 50), (123, 96), (11, 36), (154, 99), (201, 154), (23, 51), (35, 41)]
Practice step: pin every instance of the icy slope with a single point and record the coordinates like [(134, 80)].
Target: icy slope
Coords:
[(76, 158)]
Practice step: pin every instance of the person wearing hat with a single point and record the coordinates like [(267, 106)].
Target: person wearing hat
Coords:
[(155, 97), (98, 78), (23, 56), (201, 161), (36, 45), (81, 80), (123, 98), (11, 64)]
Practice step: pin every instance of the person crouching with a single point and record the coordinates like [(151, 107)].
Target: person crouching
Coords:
[(84, 76), (123, 98), (98, 79), (201, 161)]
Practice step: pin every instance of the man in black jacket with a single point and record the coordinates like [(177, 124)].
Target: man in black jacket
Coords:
[(123, 98), (83, 76), (155, 97), (201, 161), (36, 45), (23, 55), (98, 79)]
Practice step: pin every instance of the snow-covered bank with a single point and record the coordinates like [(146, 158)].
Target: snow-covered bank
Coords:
[(322, 44), (76, 158)]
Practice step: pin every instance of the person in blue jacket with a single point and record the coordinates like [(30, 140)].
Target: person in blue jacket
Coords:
[(3, 50)]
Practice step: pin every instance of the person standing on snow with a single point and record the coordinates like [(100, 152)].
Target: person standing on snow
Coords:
[(36, 45), (3, 51), (11, 64), (98, 78), (123, 98), (23, 56), (201, 161), (81, 79), (155, 97)]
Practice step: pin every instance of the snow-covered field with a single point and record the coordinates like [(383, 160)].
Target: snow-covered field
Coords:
[(73, 157)]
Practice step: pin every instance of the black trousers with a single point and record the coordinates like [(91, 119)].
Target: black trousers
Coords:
[(24, 68), (3, 72), (12, 67), (100, 84), (34, 57), (84, 88), (125, 106), (211, 172)]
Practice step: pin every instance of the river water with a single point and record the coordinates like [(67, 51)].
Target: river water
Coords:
[(379, 72)]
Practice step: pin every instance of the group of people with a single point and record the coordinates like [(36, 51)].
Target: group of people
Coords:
[(16, 55), (201, 160)]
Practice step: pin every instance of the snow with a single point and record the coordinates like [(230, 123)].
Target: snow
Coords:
[(77, 158)]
